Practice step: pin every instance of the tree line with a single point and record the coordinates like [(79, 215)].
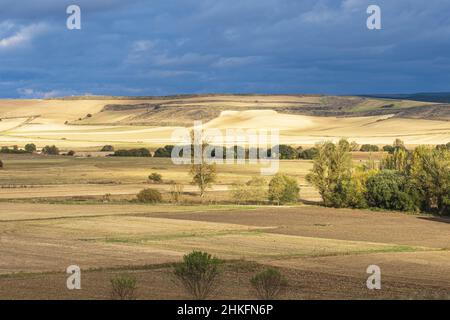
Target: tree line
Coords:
[(417, 180)]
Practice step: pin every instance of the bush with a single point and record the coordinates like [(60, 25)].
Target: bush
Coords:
[(30, 148), (141, 152), (165, 152), (283, 189), (198, 273), (123, 288), (50, 150), (253, 191), (1, 164), (149, 196), (71, 153), (155, 177), (268, 284), (107, 148), (391, 190), (369, 148)]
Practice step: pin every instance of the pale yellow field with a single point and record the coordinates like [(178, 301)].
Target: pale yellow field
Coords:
[(65, 122)]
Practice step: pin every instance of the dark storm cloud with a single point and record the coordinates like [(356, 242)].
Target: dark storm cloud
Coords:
[(181, 46)]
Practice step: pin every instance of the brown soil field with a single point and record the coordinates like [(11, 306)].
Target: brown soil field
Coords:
[(322, 252)]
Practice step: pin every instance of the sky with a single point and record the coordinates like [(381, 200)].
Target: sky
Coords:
[(164, 47)]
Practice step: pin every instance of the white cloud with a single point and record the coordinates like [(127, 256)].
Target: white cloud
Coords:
[(22, 36), (36, 94), (354, 5), (156, 53), (227, 62)]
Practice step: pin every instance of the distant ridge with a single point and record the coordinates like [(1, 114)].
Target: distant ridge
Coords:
[(442, 97)]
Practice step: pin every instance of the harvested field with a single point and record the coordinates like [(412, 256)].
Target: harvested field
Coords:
[(323, 251)]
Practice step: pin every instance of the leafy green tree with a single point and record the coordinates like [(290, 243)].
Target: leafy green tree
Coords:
[(430, 172), (391, 190), (331, 170), (389, 148), (107, 148), (50, 150), (308, 154), (30, 148), (369, 148), (165, 152), (140, 152), (287, 152), (399, 161), (399, 144), (203, 173), (283, 189)]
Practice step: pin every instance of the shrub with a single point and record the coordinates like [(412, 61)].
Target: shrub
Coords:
[(268, 284), (107, 148), (30, 148), (106, 197), (50, 150), (155, 177), (198, 273), (149, 196), (369, 148), (283, 189), (391, 190), (71, 153), (253, 190), (165, 152), (123, 287), (141, 152), (89, 115), (1, 164)]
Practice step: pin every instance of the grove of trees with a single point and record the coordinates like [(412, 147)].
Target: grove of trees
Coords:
[(404, 180)]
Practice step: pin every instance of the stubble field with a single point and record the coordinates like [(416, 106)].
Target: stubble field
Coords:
[(52, 215)]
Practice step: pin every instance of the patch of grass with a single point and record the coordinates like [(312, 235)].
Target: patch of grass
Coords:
[(387, 249), (150, 238)]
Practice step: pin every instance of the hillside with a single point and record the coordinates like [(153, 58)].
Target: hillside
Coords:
[(89, 122)]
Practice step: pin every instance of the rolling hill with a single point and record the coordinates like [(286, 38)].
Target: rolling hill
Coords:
[(89, 122)]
